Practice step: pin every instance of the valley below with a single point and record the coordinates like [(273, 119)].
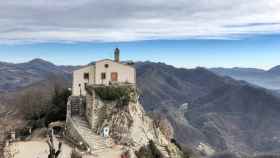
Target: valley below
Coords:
[(204, 107)]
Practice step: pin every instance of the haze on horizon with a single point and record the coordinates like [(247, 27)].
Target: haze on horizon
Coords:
[(183, 33)]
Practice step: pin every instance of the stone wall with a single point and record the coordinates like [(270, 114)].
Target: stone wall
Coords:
[(94, 110), (72, 132), (89, 108)]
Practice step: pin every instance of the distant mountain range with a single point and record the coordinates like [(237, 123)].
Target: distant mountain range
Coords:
[(16, 76), (227, 114), (204, 107), (268, 79)]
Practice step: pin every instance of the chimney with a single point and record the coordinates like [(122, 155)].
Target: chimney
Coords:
[(117, 55)]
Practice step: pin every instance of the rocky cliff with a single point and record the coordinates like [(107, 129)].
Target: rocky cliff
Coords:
[(131, 127)]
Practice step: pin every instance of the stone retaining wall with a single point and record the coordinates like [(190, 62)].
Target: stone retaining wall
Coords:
[(72, 132)]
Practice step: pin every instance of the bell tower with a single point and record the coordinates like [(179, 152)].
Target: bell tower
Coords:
[(117, 55)]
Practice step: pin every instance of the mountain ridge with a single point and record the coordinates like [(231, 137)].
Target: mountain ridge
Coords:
[(218, 107), (275, 69), (269, 79), (15, 76), (203, 107)]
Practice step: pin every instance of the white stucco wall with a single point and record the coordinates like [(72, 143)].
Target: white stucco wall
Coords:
[(125, 73), (78, 78)]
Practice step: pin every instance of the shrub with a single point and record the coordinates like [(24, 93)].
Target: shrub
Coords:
[(40, 108), (112, 92), (58, 108), (144, 152), (149, 151), (188, 152), (156, 153), (34, 104), (22, 133), (115, 93), (175, 143)]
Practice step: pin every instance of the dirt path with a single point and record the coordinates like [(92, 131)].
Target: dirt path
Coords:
[(40, 149), (36, 149)]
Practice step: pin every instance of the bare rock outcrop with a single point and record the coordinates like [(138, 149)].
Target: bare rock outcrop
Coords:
[(130, 126)]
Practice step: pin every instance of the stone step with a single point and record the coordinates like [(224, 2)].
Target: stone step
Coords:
[(101, 142), (98, 147), (75, 101), (75, 106), (81, 121), (85, 127), (96, 142), (94, 137), (83, 124)]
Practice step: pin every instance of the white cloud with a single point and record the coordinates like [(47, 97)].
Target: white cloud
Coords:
[(128, 20)]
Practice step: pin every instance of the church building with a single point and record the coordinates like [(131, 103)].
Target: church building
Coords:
[(103, 72)]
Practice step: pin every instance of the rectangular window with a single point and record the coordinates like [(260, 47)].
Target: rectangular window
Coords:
[(86, 76), (114, 76), (103, 75)]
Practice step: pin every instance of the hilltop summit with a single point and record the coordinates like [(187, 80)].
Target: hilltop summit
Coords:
[(104, 111)]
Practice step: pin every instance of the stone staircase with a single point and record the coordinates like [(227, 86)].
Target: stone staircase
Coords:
[(75, 105), (94, 141)]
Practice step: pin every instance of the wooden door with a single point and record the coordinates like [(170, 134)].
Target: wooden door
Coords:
[(114, 76)]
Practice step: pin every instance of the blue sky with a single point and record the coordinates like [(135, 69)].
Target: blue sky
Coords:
[(252, 51), (184, 33)]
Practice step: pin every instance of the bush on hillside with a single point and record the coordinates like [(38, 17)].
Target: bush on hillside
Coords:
[(115, 93), (34, 104), (40, 107), (58, 108), (149, 151), (184, 150)]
